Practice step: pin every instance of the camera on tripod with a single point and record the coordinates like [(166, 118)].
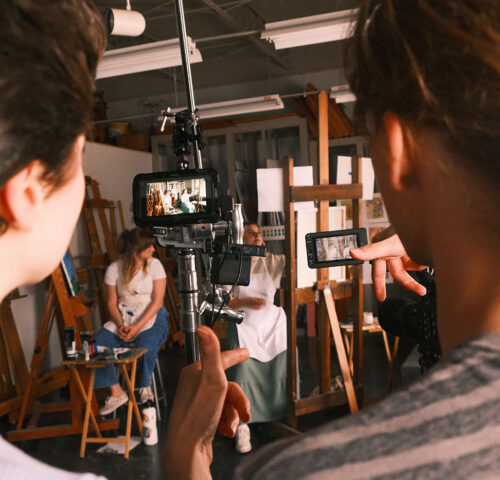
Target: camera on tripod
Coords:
[(185, 210)]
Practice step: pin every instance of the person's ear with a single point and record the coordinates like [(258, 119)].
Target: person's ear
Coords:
[(22, 195), (403, 173)]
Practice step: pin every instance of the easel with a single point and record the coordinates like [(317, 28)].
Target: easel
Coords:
[(99, 259), (13, 368), (68, 312), (331, 290)]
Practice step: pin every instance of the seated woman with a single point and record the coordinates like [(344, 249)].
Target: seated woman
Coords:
[(135, 287), (263, 331), (167, 201)]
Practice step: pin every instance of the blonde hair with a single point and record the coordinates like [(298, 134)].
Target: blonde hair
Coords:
[(130, 244)]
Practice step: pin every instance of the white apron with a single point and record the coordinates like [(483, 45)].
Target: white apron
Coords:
[(262, 331)]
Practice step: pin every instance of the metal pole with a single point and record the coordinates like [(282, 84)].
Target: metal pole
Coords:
[(181, 27), (188, 293)]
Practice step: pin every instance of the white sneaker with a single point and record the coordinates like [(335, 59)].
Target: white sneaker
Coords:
[(112, 403), (146, 394), (243, 444)]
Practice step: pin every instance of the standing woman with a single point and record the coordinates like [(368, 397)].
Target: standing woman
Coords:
[(135, 286), (263, 331)]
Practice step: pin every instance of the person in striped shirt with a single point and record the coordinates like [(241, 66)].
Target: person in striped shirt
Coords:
[(426, 75)]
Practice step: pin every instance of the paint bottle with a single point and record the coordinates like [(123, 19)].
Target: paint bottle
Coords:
[(150, 432)]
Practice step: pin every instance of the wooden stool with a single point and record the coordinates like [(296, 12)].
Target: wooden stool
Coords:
[(374, 327), (129, 358)]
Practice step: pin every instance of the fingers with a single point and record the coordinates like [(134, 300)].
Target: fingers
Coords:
[(379, 269), (237, 398), (399, 274), (409, 264), (210, 355), (233, 357), (390, 247), (229, 421), (236, 407)]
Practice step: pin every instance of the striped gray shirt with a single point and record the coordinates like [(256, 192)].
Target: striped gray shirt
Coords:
[(446, 426)]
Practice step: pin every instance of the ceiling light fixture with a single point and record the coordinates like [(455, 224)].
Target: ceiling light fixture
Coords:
[(236, 107), (298, 32), (149, 56), (240, 106), (126, 22), (342, 94)]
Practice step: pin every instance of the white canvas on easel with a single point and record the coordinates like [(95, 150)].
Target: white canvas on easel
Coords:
[(306, 223), (344, 174), (270, 188)]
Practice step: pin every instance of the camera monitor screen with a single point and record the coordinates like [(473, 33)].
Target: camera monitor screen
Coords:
[(175, 198), (330, 249)]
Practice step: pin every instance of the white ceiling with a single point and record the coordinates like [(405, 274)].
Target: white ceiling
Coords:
[(230, 60)]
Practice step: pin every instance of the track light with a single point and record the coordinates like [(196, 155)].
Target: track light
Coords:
[(126, 22)]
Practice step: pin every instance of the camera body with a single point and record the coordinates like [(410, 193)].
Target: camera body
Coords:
[(417, 320), (331, 249)]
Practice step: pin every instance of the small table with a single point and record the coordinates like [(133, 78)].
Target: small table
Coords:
[(347, 332), (129, 357)]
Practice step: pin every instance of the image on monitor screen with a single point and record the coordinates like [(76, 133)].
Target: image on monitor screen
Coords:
[(175, 197), (335, 247)]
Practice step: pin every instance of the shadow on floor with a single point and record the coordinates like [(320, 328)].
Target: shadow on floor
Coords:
[(145, 462)]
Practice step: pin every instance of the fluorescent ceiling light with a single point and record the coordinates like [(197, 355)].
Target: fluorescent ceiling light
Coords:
[(141, 58), (342, 94), (297, 32), (236, 107), (240, 106)]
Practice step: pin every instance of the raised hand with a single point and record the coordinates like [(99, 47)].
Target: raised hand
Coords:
[(391, 253), (255, 302), (204, 402)]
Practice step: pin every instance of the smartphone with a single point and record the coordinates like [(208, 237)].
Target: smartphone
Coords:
[(331, 249)]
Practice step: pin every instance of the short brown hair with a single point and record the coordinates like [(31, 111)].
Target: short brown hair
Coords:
[(434, 63), (49, 50)]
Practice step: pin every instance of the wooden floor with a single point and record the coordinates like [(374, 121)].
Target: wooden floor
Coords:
[(146, 462)]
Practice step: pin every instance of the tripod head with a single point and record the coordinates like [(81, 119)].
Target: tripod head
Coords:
[(187, 133)]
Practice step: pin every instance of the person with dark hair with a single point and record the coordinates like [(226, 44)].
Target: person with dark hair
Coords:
[(426, 75), (135, 287), (49, 52)]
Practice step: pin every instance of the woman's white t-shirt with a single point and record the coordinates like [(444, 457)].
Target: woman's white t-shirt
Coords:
[(136, 297)]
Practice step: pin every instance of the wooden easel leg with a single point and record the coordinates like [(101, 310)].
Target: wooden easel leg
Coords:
[(40, 348), (391, 357), (88, 407), (339, 346)]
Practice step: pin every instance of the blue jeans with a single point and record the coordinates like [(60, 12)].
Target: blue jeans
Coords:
[(152, 338)]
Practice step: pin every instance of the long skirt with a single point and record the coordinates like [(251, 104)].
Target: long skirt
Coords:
[(264, 383)]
